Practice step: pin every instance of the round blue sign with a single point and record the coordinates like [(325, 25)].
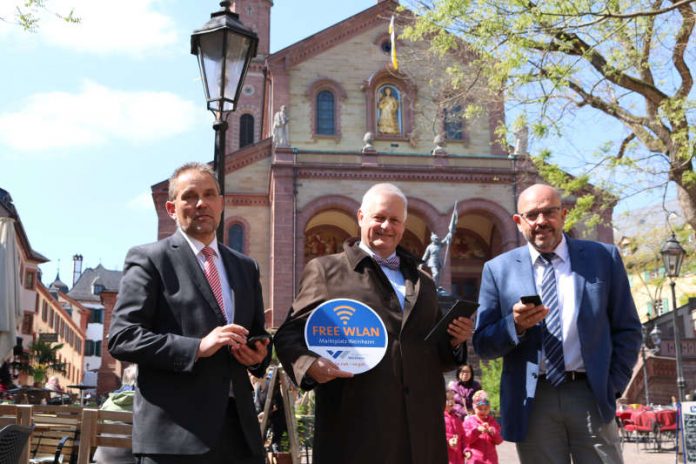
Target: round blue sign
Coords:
[(347, 332)]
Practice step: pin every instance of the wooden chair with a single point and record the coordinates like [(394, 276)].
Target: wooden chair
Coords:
[(13, 440), (12, 414), (56, 433), (112, 429)]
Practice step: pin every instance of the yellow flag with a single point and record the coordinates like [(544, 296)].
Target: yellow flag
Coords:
[(392, 33)]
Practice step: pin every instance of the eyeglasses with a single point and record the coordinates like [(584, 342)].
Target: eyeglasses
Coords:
[(533, 215)]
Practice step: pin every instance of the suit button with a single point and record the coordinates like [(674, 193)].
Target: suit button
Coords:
[(406, 390)]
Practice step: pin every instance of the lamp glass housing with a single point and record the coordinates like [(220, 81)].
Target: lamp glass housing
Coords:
[(224, 47), (672, 256)]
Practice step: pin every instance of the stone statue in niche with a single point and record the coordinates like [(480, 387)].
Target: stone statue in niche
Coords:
[(280, 128), (388, 112), (521, 140)]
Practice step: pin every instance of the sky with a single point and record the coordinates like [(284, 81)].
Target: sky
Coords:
[(93, 114)]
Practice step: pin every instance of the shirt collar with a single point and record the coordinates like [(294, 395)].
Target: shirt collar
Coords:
[(363, 246), (197, 246), (561, 250)]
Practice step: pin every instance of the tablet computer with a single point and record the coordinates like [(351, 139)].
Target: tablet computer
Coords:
[(461, 308)]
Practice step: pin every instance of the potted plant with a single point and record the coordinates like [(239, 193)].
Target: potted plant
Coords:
[(39, 359)]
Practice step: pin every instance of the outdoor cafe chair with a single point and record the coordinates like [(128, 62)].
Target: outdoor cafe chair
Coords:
[(111, 431), (13, 438), (56, 435)]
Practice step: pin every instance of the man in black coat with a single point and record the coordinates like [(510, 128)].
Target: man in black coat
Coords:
[(186, 306)]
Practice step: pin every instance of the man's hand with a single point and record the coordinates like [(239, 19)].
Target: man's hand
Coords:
[(322, 370), (460, 330), (231, 335), (527, 316), (251, 356)]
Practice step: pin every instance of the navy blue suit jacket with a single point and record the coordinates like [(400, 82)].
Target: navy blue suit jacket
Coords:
[(608, 327)]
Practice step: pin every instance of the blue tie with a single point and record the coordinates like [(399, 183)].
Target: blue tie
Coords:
[(552, 330)]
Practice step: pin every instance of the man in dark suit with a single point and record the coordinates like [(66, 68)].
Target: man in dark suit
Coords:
[(186, 306), (391, 414), (566, 361)]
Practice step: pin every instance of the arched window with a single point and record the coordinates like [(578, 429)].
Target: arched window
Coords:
[(454, 123), (246, 130), (235, 237), (325, 113)]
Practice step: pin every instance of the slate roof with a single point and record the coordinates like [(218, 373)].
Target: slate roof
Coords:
[(82, 290)]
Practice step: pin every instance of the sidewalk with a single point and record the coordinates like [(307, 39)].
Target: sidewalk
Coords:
[(632, 455)]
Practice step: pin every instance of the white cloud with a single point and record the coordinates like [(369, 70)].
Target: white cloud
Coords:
[(95, 116), (128, 27), (141, 202)]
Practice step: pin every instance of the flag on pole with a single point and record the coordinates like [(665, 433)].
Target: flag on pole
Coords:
[(453, 221), (392, 34)]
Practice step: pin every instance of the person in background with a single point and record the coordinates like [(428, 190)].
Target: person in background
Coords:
[(53, 384), (464, 388), (120, 399), (454, 431), (482, 432)]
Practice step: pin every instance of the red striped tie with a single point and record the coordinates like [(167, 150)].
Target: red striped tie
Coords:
[(211, 273)]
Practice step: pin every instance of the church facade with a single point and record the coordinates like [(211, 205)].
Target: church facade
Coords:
[(353, 120)]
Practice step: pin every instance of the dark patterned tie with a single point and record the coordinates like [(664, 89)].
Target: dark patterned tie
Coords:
[(553, 331), (392, 262)]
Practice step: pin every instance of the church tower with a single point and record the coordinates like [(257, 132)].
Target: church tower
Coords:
[(245, 123)]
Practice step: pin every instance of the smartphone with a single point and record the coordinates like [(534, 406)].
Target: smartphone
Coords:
[(251, 341), (535, 299)]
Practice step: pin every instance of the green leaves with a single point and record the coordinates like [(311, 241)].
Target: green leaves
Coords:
[(629, 60), (29, 14)]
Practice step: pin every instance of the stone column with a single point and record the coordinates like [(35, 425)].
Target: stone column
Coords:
[(282, 239)]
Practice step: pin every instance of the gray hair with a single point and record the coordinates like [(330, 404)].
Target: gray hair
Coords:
[(383, 188), (130, 375), (193, 166)]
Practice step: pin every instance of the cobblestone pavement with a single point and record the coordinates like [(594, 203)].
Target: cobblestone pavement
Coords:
[(631, 453)]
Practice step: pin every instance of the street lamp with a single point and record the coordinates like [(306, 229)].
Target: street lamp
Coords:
[(673, 256), (655, 337), (224, 47)]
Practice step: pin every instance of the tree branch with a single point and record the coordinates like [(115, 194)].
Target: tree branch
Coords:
[(624, 145), (681, 42)]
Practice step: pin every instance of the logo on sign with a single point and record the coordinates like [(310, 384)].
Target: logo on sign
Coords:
[(344, 313), (337, 354), (348, 332)]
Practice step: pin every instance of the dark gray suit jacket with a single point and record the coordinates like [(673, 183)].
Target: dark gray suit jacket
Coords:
[(164, 307)]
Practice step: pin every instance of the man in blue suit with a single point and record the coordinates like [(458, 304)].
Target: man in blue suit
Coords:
[(567, 360)]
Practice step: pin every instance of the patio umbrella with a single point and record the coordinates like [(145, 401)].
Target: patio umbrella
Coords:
[(10, 310)]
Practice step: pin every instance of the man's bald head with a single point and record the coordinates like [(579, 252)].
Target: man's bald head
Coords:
[(540, 217)]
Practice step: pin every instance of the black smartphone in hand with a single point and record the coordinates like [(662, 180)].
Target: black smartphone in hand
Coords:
[(251, 341), (534, 299)]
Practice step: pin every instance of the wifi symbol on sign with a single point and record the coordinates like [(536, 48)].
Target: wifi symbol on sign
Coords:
[(344, 313)]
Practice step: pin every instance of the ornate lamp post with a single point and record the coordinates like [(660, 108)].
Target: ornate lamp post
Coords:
[(655, 337), (673, 256), (224, 47)]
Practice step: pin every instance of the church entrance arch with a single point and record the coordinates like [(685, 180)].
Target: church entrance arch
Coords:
[(484, 230)]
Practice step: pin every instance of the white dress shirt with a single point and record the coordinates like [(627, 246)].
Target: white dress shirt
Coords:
[(565, 287), (396, 278)]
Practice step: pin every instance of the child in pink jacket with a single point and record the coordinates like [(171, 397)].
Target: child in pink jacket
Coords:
[(454, 431), (482, 432)]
